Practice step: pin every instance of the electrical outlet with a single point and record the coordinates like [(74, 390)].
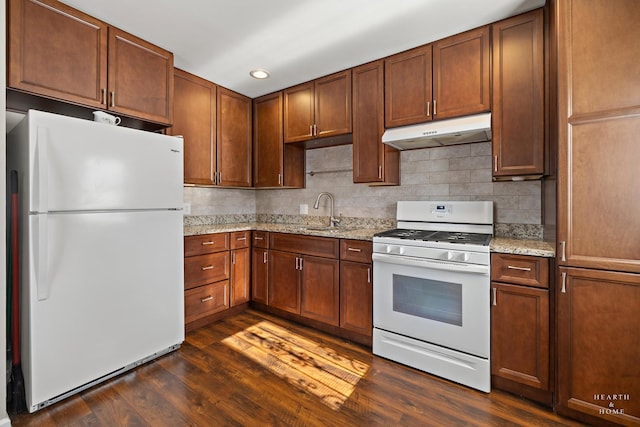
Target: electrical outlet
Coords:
[(304, 209), (186, 209)]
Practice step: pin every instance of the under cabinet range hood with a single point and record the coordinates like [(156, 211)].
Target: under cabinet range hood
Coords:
[(462, 130)]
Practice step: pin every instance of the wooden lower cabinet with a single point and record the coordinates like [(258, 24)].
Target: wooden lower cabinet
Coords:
[(205, 300), (356, 297), (521, 345), (320, 289), (598, 350), (260, 275), (240, 276), (284, 281)]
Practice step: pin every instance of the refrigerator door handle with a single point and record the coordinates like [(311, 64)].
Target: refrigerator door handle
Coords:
[(40, 244), (41, 169)]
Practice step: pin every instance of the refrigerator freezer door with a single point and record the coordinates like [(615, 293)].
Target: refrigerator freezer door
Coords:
[(79, 165), (113, 295)]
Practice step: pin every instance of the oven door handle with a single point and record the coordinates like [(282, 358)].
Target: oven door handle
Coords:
[(438, 265)]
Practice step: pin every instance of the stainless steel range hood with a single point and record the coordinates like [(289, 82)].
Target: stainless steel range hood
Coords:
[(462, 130)]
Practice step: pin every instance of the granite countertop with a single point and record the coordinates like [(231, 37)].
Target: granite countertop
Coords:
[(498, 244)]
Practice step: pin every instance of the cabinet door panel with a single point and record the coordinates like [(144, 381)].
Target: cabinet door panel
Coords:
[(203, 269), (520, 335), (140, 78), (233, 139), (195, 119), (598, 336), (356, 297), (333, 104), (205, 300), (319, 289), (259, 275), (240, 276), (518, 95), (284, 281), (461, 80), (298, 112), (408, 91), (267, 141), (57, 51)]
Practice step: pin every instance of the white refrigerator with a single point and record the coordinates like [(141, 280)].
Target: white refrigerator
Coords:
[(101, 246)]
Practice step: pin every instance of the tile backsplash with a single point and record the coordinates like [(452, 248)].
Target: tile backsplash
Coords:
[(460, 172)]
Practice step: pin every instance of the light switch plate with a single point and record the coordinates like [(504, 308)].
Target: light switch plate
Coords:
[(304, 209), (186, 209)]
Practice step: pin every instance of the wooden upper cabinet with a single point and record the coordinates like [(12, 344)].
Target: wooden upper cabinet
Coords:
[(194, 117), (518, 131), (317, 109), (461, 74), (140, 78), (267, 141), (408, 91), (57, 51), (233, 139), (373, 161), (448, 78)]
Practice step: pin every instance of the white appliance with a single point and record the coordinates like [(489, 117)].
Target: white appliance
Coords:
[(460, 130), (101, 251), (431, 290)]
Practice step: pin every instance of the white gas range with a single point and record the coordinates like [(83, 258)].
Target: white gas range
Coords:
[(431, 290)]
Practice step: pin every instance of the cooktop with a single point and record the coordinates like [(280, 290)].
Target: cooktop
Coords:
[(438, 236)]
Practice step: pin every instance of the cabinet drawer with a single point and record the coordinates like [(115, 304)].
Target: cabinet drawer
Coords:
[(261, 239), (239, 239), (356, 250), (520, 269), (205, 300), (206, 244), (203, 269), (325, 247)]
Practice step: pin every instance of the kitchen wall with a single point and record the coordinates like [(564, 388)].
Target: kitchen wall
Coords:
[(461, 172)]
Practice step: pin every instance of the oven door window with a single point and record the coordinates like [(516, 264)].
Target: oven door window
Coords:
[(427, 298)]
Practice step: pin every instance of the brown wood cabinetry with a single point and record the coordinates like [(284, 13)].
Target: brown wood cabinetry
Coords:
[(275, 164), (318, 109), (598, 293), (260, 267), (233, 139), (598, 351), (520, 326), (206, 277), (373, 161), (303, 276), (448, 78), (59, 52), (356, 286), (194, 118), (216, 125), (240, 267), (518, 131)]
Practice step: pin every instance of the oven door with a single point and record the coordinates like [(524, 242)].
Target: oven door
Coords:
[(438, 302)]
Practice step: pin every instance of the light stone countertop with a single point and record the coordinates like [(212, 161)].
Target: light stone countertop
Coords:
[(507, 245)]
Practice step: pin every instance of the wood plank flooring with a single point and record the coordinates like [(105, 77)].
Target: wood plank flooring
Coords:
[(209, 382)]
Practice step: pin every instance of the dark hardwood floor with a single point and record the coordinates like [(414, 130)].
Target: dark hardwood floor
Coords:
[(219, 378)]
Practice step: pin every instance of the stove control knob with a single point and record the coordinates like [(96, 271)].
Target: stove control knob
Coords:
[(448, 255), (465, 256), (389, 249), (401, 250)]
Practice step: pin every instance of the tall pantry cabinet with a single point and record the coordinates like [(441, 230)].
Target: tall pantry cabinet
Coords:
[(598, 292)]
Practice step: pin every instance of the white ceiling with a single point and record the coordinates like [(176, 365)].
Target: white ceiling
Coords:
[(295, 40)]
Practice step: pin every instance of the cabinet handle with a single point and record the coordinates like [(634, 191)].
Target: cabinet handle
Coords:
[(233, 257), (208, 267), (310, 130), (368, 274), (354, 249), (210, 242), (513, 267), (563, 246), (207, 298), (219, 178), (434, 107), (564, 283), (241, 238), (258, 238), (379, 171), (300, 263), (315, 130), (495, 163), (279, 179), (297, 259), (113, 98), (264, 257), (103, 96), (495, 302), (428, 108)]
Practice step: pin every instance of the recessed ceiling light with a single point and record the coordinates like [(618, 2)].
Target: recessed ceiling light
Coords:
[(259, 74)]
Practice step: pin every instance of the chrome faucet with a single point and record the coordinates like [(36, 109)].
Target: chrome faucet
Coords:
[(332, 220)]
